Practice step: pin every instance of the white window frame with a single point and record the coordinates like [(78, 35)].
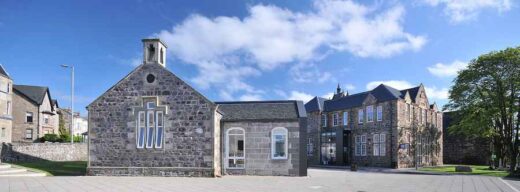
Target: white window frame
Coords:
[(370, 113), (31, 132), (345, 118), (149, 144), (310, 146), (335, 119), (361, 116), (360, 141), (27, 114), (379, 145), (324, 120), (138, 128), (423, 116), (159, 143), (226, 148), (148, 105), (273, 142), (379, 113), (46, 119)]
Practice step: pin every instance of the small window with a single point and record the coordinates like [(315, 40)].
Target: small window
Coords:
[(360, 116), (3, 133), (324, 120), (28, 133), (345, 118), (310, 147), (279, 143), (370, 113), (150, 105), (29, 117), (335, 119), (162, 56), (150, 78), (8, 88), (46, 119), (8, 110), (379, 113)]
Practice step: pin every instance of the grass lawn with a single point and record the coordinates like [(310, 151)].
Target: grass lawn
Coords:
[(477, 170), (55, 168)]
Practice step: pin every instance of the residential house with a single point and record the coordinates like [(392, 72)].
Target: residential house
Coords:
[(34, 115), (6, 105)]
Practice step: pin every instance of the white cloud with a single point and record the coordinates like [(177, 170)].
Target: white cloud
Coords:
[(464, 10), (350, 87), (447, 70), (398, 84), (437, 93), (308, 72), (250, 97), (297, 95), (328, 95), (230, 49)]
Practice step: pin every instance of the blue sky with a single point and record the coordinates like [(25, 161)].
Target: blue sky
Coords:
[(254, 50)]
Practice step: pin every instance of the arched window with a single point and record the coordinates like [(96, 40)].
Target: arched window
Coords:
[(235, 149), (279, 143), (162, 56)]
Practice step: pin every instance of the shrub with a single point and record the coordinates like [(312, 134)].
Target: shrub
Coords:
[(50, 138)]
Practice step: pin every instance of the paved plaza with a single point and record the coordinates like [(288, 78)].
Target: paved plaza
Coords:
[(318, 180)]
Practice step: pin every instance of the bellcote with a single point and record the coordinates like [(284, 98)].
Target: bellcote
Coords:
[(154, 52)]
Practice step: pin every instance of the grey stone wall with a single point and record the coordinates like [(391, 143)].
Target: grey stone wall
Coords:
[(189, 128), (313, 137), (22, 106), (31, 152), (258, 159)]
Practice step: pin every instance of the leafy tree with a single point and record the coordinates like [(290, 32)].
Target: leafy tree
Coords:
[(487, 96)]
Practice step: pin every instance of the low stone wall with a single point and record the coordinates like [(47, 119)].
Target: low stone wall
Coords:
[(29, 152)]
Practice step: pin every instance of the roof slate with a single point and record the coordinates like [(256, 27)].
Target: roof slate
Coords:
[(315, 104), (3, 72), (261, 110), (34, 93), (381, 93)]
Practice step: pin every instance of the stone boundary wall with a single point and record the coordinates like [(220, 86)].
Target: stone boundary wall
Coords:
[(30, 152)]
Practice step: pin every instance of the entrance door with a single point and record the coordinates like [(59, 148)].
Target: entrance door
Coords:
[(346, 147), (235, 153)]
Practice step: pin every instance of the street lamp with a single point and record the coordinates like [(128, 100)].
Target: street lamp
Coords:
[(71, 101)]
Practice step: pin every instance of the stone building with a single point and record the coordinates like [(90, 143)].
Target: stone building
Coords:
[(6, 101), (153, 123), (463, 149), (34, 113), (383, 127)]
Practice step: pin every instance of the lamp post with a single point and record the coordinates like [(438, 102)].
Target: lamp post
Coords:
[(71, 101)]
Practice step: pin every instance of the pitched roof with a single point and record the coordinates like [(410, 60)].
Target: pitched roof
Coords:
[(315, 104), (261, 110), (3, 72), (381, 93), (412, 91), (34, 93), (55, 102)]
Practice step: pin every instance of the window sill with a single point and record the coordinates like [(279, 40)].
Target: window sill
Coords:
[(279, 158), (235, 168)]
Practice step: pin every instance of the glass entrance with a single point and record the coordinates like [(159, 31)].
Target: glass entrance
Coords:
[(328, 148)]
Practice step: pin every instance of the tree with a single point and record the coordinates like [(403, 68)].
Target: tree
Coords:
[(487, 95)]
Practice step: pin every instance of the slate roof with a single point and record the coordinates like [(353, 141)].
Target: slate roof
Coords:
[(3, 72), (55, 102), (261, 110), (35, 94), (315, 104), (381, 93), (412, 91)]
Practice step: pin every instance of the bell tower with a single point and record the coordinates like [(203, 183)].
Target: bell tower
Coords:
[(154, 52)]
